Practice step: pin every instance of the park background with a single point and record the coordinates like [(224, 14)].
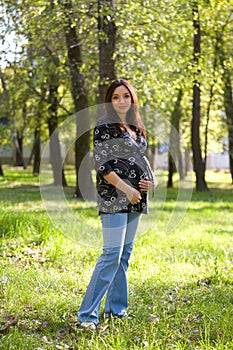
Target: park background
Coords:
[(57, 58)]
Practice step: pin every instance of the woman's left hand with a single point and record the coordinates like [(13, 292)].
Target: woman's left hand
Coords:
[(145, 185)]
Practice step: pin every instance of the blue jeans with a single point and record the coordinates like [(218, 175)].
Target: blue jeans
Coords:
[(109, 275)]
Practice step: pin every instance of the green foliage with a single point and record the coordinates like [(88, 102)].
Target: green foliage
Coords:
[(154, 51), (180, 283)]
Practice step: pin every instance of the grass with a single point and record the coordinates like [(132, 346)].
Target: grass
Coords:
[(180, 281)]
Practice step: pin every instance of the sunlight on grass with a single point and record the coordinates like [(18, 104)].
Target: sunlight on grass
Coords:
[(223, 178)]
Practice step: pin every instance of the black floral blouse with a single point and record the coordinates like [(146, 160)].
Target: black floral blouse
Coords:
[(117, 151)]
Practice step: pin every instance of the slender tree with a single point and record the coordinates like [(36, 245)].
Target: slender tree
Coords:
[(107, 45), (80, 97), (198, 162), (18, 138), (36, 152), (174, 155), (1, 170), (55, 148)]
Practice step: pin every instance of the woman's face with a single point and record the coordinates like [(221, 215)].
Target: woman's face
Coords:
[(121, 101)]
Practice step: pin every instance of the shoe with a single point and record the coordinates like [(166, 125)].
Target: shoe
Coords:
[(108, 315), (123, 314), (91, 326), (88, 325)]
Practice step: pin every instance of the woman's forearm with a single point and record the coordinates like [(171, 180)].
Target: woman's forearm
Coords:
[(116, 181), (133, 195)]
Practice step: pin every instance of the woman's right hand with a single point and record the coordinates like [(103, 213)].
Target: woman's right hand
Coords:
[(133, 195)]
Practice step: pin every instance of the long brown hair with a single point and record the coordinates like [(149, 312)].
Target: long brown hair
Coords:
[(133, 117)]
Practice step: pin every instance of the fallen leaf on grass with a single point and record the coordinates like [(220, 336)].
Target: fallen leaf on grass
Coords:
[(5, 279), (25, 254), (204, 282), (193, 339), (7, 324), (5, 329), (102, 328), (153, 318), (45, 340)]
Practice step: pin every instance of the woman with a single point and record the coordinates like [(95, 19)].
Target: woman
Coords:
[(123, 180)]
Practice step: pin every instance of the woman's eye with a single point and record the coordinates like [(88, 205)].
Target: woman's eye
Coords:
[(126, 97)]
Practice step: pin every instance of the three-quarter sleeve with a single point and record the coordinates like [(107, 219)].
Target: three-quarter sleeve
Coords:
[(101, 150)]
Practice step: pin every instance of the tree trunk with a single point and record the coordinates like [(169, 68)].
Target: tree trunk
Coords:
[(198, 163), (18, 143), (1, 170), (54, 144), (37, 152), (80, 98), (174, 155), (18, 139), (188, 166), (107, 46), (153, 152), (36, 149)]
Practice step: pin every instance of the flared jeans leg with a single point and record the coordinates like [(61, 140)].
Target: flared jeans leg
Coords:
[(119, 231), (117, 295)]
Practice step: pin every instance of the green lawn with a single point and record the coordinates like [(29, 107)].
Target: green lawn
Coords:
[(180, 280)]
